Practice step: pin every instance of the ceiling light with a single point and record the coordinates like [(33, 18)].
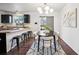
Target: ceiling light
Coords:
[(45, 9)]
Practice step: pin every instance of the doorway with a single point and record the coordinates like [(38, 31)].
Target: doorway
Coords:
[(48, 21)]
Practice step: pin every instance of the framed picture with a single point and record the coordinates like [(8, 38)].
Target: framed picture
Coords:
[(70, 18)]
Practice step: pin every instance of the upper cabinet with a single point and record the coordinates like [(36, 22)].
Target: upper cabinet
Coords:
[(26, 18), (6, 18)]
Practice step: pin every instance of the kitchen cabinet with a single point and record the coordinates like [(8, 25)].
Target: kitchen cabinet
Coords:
[(26, 18), (6, 18)]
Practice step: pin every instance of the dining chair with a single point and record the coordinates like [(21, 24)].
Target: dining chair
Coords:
[(47, 43)]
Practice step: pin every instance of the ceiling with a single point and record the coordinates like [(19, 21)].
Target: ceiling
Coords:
[(27, 7)]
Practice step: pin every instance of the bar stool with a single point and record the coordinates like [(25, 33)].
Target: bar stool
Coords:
[(29, 34), (16, 38), (24, 37)]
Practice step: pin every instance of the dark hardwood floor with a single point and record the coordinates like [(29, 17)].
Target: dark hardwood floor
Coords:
[(24, 47), (67, 49)]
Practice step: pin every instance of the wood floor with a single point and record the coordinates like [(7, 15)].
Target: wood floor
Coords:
[(24, 47), (68, 50)]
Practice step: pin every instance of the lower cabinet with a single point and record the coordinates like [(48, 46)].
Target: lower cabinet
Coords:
[(2, 43)]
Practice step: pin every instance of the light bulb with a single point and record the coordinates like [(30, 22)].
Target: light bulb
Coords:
[(51, 10), (40, 10), (46, 8)]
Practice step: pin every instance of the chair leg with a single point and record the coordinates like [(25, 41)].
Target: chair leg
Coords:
[(26, 37), (47, 51), (43, 50), (51, 50), (23, 40), (55, 44), (17, 41), (51, 46), (12, 44), (43, 47)]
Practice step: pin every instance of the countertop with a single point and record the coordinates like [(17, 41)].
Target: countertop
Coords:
[(13, 30)]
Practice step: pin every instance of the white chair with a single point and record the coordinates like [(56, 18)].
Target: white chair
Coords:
[(47, 43)]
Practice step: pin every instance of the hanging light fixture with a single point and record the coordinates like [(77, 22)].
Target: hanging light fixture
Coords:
[(45, 9)]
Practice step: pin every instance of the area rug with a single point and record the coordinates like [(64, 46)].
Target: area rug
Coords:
[(33, 50)]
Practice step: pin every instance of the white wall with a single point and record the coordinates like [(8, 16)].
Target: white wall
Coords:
[(57, 22), (70, 35)]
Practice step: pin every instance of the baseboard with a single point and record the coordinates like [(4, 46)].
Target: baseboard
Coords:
[(67, 49)]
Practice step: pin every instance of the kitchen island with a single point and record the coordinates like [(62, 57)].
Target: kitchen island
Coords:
[(5, 39)]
